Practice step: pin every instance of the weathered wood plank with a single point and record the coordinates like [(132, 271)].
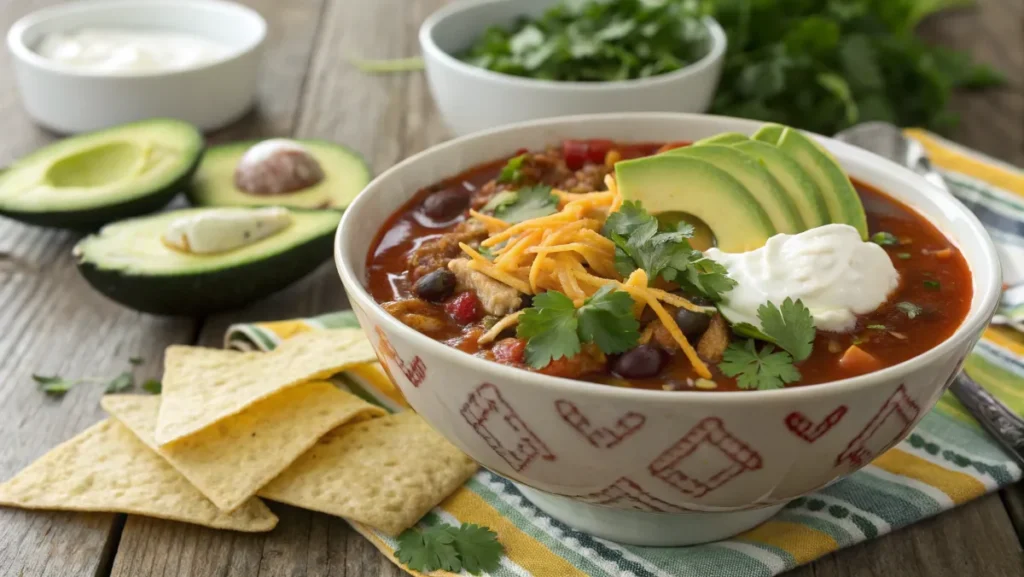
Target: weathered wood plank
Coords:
[(993, 32)]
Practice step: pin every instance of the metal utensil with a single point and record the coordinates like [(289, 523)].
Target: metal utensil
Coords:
[(887, 140)]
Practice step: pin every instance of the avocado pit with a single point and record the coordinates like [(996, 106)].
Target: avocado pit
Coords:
[(275, 167)]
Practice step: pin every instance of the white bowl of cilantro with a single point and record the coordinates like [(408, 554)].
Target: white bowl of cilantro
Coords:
[(495, 62)]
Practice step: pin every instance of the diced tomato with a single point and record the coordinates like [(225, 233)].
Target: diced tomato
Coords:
[(464, 308), (575, 153), (510, 351), (521, 152), (857, 360), (597, 149)]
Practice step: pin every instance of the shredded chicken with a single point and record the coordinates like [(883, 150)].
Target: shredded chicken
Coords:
[(436, 252), (713, 343), (497, 298), (416, 314)]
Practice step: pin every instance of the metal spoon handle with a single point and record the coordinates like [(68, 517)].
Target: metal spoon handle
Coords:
[(1001, 422)]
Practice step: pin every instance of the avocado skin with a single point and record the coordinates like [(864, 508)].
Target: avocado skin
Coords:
[(91, 219), (199, 294)]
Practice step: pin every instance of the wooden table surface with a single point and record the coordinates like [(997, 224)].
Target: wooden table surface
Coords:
[(53, 323)]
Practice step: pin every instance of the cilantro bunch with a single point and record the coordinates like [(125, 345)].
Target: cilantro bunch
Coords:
[(642, 243), (596, 40), (824, 65), (791, 328), (554, 328), (468, 547)]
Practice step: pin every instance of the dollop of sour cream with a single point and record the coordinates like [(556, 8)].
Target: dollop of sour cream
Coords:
[(829, 268), (120, 50), (224, 229)]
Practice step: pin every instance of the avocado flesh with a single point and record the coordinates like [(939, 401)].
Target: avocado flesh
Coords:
[(673, 183), (770, 133), (128, 262), (91, 179), (801, 189), (753, 176), (345, 176), (723, 138)]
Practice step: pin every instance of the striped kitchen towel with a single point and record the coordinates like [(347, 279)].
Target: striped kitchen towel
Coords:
[(945, 462)]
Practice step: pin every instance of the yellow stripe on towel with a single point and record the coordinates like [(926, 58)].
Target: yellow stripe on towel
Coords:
[(286, 329), (527, 552), (1006, 338), (802, 542), (951, 159), (959, 486), (373, 374)]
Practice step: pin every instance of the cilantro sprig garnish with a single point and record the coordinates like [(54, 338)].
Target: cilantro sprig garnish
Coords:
[(55, 385), (554, 328), (791, 328), (511, 171), (642, 243), (468, 547), (519, 205), (763, 370)]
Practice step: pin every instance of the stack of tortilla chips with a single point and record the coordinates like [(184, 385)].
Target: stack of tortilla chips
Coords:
[(231, 427)]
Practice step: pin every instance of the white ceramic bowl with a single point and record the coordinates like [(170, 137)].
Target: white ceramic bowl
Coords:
[(68, 100), (656, 467), (472, 98)]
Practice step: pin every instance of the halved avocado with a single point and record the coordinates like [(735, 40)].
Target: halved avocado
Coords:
[(88, 180), (345, 176), (752, 175), (129, 263), (672, 183)]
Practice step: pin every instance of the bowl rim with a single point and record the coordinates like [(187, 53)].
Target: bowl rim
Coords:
[(17, 46), (719, 43), (976, 320)]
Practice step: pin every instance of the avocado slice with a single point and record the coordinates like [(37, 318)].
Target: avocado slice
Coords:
[(91, 179), (674, 183), (130, 263), (792, 179), (723, 138), (753, 176), (345, 176), (842, 200)]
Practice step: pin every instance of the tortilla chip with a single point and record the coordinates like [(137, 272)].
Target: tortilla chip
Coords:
[(386, 473), (202, 386), (107, 469), (231, 460)]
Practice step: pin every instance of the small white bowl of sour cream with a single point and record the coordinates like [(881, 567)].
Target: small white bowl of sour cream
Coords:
[(98, 63)]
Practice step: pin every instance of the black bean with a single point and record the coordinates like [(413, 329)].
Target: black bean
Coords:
[(692, 324), (696, 299), (445, 205), (436, 286), (641, 362), (526, 301)]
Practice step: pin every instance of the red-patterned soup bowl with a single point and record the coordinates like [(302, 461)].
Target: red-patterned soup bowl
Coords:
[(656, 467)]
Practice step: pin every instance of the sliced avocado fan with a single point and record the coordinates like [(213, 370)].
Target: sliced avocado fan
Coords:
[(841, 198), (85, 181), (345, 174), (134, 263)]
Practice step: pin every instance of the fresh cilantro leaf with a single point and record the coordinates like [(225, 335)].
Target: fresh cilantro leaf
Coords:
[(550, 329), (903, 255), (878, 327), (152, 386), (705, 276), (530, 202), (510, 173), (630, 216), (607, 320), (428, 550), (500, 200), (932, 285), (478, 548), (761, 370), (910, 309), (136, 361), (120, 383), (485, 252), (885, 239), (790, 326), (54, 385)]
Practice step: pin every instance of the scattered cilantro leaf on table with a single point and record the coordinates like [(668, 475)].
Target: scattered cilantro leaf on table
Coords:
[(523, 204), (152, 386), (136, 361), (54, 385), (762, 370), (120, 383), (910, 309), (790, 326), (554, 328), (470, 547)]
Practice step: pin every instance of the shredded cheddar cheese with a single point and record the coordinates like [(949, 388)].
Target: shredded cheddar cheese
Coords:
[(566, 252)]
